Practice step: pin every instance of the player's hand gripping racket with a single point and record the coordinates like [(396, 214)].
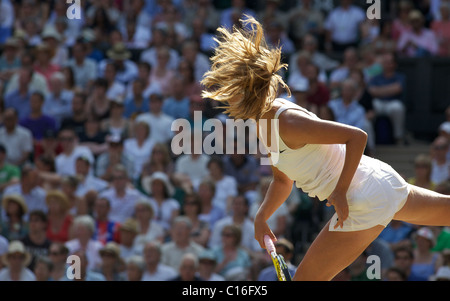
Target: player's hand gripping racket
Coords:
[(278, 260)]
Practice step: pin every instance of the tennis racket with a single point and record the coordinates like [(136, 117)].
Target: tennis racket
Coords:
[(278, 260)]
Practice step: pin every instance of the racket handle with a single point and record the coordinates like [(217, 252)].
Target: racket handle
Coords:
[(269, 244)]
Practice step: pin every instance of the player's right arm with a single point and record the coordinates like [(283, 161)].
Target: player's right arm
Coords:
[(277, 193)]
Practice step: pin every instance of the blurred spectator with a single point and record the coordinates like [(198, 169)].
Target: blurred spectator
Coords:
[(397, 234), (58, 103), (159, 160), (84, 68), (43, 63), (36, 241), (441, 29), (136, 102), (317, 93), (238, 217), (87, 274), (403, 260), (58, 253), (177, 105), (9, 174), (111, 266), (310, 44), (87, 181), (192, 166), (105, 229), (159, 41), (28, 187), (206, 266), (159, 122), (181, 243), (190, 52), (276, 37), (155, 269), (305, 18), (385, 42), (17, 139), (98, 105), (233, 262), (244, 168), (347, 109), (14, 208), (225, 185), (188, 269), (161, 192), (426, 262), (83, 228), (135, 267), (37, 122), (394, 274), (51, 37), (420, 41), (211, 210), (16, 261), (9, 60), (77, 116), (349, 62), (126, 69), (192, 208), (93, 136), (440, 165), (422, 172), (443, 274), (135, 36), (387, 90), (112, 156), (401, 22), (161, 73), (230, 16), (78, 205), (190, 84), (7, 18), (43, 268), (343, 26), (71, 150), (19, 98), (59, 219), (171, 21), (128, 231), (121, 195), (149, 229), (139, 147)]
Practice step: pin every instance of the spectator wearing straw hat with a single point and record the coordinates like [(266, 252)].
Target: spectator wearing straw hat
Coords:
[(112, 265), (16, 260), (128, 231), (120, 55), (15, 208)]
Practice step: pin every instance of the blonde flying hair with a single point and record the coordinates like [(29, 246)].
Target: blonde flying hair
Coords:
[(244, 70)]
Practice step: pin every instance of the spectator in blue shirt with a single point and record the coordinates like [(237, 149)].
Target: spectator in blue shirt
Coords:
[(177, 105), (19, 98), (347, 109), (387, 90)]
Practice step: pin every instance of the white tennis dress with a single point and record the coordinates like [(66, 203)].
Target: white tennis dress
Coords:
[(375, 194)]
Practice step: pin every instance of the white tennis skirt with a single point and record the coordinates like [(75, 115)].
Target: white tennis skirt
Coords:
[(376, 194)]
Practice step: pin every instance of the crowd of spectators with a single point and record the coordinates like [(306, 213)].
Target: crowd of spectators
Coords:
[(86, 108)]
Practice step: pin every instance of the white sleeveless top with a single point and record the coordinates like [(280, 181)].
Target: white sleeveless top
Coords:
[(315, 168)]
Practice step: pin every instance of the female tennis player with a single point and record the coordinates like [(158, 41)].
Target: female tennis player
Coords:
[(323, 158)]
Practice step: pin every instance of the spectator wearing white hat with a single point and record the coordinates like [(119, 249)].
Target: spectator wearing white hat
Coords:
[(160, 190), (426, 262), (16, 260)]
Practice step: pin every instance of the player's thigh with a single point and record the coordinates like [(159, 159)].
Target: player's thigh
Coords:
[(425, 207), (333, 251)]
